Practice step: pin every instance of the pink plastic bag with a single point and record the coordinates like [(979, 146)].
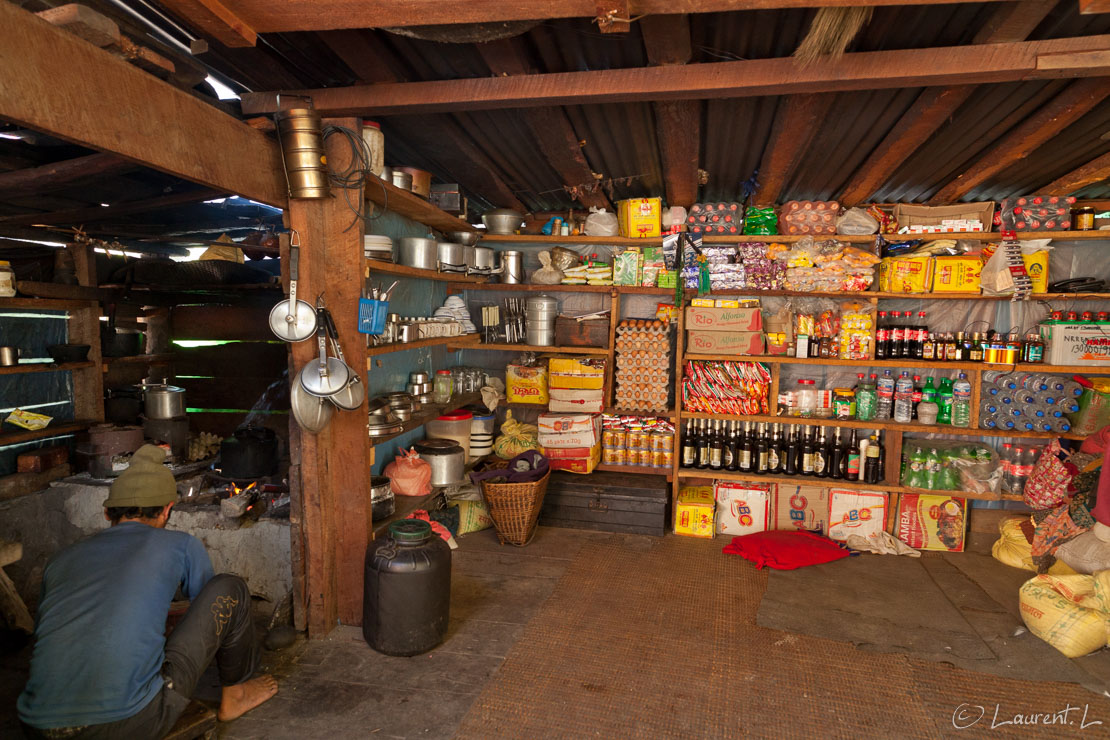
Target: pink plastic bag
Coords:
[(409, 475)]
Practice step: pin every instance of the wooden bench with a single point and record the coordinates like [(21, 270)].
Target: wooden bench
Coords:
[(11, 604)]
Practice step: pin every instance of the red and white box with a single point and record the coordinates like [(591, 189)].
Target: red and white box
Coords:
[(742, 508), (801, 507), (573, 459), (562, 431), (576, 399), (855, 512)]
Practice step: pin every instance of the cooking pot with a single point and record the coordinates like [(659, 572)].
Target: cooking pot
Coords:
[(512, 267), (382, 501), (419, 252), (120, 342), (421, 182), (502, 221), (446, 458), (483, 260), (163, 401), (452, 257), (469, 238), (249, 453), (9, 356), (123, 405), (402, 180)]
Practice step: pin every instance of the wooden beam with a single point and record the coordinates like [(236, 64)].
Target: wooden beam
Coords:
[(215, 19), (796, 121), (48, 178), (76, 216), (56, 83), (1065, 109), (612, 16), (1094, 6), (549, 127), (1096, 170), (778, 76), (677, 122), (1010, 22), (266, 16)]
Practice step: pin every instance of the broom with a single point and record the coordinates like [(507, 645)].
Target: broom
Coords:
[(831, 32)]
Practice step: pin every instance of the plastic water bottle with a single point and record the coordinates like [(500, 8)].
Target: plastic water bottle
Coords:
[(1068, 406), (903, 399), (1047, 398), (989, 406), (1002, 420), (886, 395), (961, 402), (1071, 388), (997, 378), (1017, 479), (1032, 382), (1043, 426)]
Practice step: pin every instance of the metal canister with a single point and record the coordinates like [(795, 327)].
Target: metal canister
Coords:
[(539, 313), (659, 458), (512, 267), (302, 153), (635, 439)]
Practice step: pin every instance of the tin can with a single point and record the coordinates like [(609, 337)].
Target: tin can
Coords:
[(635, 439), (643, 457), (608, 456), (618, 456), (668, 441), (658, 458), (668, 458)]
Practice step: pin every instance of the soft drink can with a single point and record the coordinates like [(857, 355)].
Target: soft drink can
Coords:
[(659, 458), (644, 457)]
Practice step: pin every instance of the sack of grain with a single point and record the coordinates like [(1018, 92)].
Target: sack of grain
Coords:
[(1070, 613)]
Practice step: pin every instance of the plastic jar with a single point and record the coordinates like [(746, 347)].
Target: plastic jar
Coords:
[(7, 280), (454, 425), (375, 145), (927, 412), (844, 403), (444, 387), (805, 398)]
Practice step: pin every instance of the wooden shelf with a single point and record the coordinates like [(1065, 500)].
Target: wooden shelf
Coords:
[(466, 341), (47, 304), (13, 435), (412, 206), (162, 359), (404, 505), (669, 414), (427, 413), (852, 485), (540, 239), (495, 347), (635, 470), (391, 268), (907, 363), (532, 288), (44, 367)]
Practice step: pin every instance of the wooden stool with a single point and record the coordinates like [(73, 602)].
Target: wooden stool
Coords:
[(11, 605), (197, 721)]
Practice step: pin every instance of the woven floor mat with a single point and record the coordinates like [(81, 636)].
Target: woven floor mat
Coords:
[(662, 642)]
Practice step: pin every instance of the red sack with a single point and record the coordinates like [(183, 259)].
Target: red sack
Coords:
[(1047, 486), (786, 550), (409, 475)]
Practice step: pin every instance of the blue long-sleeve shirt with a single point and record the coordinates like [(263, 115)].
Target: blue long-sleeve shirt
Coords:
[(99, 636)]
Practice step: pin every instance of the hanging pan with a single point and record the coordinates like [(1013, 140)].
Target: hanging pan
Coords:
[(293, 320), (312, 413), (324, 376), (353, 394)]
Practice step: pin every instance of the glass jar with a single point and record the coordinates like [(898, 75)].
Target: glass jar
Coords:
[(444, 387), (844, 403), (805, 398), (1083, 218), (7, 280)]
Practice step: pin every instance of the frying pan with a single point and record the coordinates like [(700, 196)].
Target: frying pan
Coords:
[(351, 396), (312, 413), (324, 376), (293, 320)]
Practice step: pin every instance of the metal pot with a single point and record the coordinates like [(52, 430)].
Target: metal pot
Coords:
[(502, 221), (452, 257), (163, 401), (251, 452), (469, 238), (446, 458), (419, 252), (9, 356), (382, 500), (421, 180), (483, 260), (512, 267), (402, 180)]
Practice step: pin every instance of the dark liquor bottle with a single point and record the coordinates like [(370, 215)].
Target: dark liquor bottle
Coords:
[(745, 463), (689, 446), (882, 456), (703, 446), (807, 454), (853, 461), (821, 456), (775, 451), (762, 454), (716, 447), (729, 447), (871, 470), (790, 453), (839, 465)]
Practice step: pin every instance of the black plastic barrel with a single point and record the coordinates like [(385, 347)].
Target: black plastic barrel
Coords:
[(407, 596)]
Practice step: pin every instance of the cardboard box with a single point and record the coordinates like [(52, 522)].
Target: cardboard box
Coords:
[(912, 274), (801, 507), (569, 430), (640, 218), (725, 343), (576, 366), (576, 399), (957, 274), (524, 384), (42, 459), (583, 460), (694, 508), (569, 380), (742, 508), (724, 319), (855, 512), (906, 214), (932, 522), (1076, 343)]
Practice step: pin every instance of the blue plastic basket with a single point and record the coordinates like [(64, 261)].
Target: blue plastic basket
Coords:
[(371, 315)]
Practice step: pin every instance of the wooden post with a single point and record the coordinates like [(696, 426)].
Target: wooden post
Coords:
[(611, 362), (88, 382), (334, 465)]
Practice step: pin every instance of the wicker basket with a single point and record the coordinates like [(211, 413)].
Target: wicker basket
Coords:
[(515, 508)]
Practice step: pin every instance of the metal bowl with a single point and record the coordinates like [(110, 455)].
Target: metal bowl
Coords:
[(502, 221), (466, 238)]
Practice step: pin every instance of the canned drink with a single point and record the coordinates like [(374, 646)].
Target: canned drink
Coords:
[(635, 439), (644, 458), (608, 456), (668, 458), (620, 438), (656, 441), (619, 456), (608, 438), (658, 458), (668, 442)]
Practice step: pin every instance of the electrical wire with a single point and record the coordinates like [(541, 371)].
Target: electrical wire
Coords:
[(357, 172)]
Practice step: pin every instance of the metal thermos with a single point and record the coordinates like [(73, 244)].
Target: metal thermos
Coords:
[(302, 153), (512, 267), (539, 315)]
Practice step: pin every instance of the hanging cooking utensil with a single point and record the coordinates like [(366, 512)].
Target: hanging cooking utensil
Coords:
[(324, 376), (353, 394), (293, 320), (312, 413)]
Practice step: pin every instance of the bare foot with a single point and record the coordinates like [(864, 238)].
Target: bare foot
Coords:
[(235, 701)]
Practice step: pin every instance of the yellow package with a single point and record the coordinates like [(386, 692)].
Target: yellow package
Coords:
[(525, 384), (726, 303), (694, 510), (906, 274), (576, 366), (1036, 265), (29, 419), (575, 381), (640, 218), (957, 274), (1068, 612), (701, 302)]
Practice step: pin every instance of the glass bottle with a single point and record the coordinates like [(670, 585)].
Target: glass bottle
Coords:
[(689, 446), (444, 387), (716, 447)]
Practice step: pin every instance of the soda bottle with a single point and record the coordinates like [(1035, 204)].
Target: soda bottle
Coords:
[(915, 471), (866, 399), (932, 469), (885, 392), (944, 401), (897, 335), (961, 402), (918, 390), (1006, 463), (949, 472), (929, 392), (882, 337), (903, 399)]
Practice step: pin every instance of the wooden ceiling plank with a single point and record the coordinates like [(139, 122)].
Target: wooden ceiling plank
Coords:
[(76, 216), (56, 176), (796, 121), (778, 76), (1096, 170), (362, 54), (1067, 108), (1010, 22), (215, 19), (1094, 6), (58, 84), (677, 122)]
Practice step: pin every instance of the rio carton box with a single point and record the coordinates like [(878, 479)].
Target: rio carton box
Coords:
[(525, 384), (1076, 343), (931, 522), (640, 218), (957, 274), (693, 515), (855, 512), (569, 430), (706, 318), (724, 342), (742, 508), (801, 508)]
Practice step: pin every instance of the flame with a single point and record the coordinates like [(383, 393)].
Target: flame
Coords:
[(236, 490)]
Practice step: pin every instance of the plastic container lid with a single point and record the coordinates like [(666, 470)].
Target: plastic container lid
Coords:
[(410, 530), (371, 124), (443, 372), (456, 415), (806, 381)]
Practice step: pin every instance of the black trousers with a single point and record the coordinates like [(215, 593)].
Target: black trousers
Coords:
[(217, 625)]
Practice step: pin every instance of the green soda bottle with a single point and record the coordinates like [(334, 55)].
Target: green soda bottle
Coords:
[(915, 473), (949, 472), (944, 401), (932, 470)]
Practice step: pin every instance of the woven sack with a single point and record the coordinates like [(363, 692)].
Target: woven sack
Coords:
[(1047, 486)]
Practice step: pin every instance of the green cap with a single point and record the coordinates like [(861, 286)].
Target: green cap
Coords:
[(410, 530), (146, 482)]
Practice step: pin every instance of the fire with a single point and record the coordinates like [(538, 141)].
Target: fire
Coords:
[(236, 490)]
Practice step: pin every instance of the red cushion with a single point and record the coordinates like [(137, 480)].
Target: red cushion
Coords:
[(786, 550)]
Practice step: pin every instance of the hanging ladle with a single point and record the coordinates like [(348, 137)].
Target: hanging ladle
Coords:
[(353, 394), (293, 320), (325, 376)]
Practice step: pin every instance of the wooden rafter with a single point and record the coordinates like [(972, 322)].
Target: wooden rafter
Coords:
[(171, 130), (1096, 170), (55, 176), (677, 122), (1094, 6), (1010, 22), (796, 121), (215, 19), (1064, 110), (1067, 57), (77, 216)]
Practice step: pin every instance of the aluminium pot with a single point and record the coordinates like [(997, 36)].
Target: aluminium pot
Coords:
[(420, 182), (162, 401), (251, 452), (446, 459), (483, 260), (512, 267), (419, 252), (382, 500), (399, 179), (452, 257)]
